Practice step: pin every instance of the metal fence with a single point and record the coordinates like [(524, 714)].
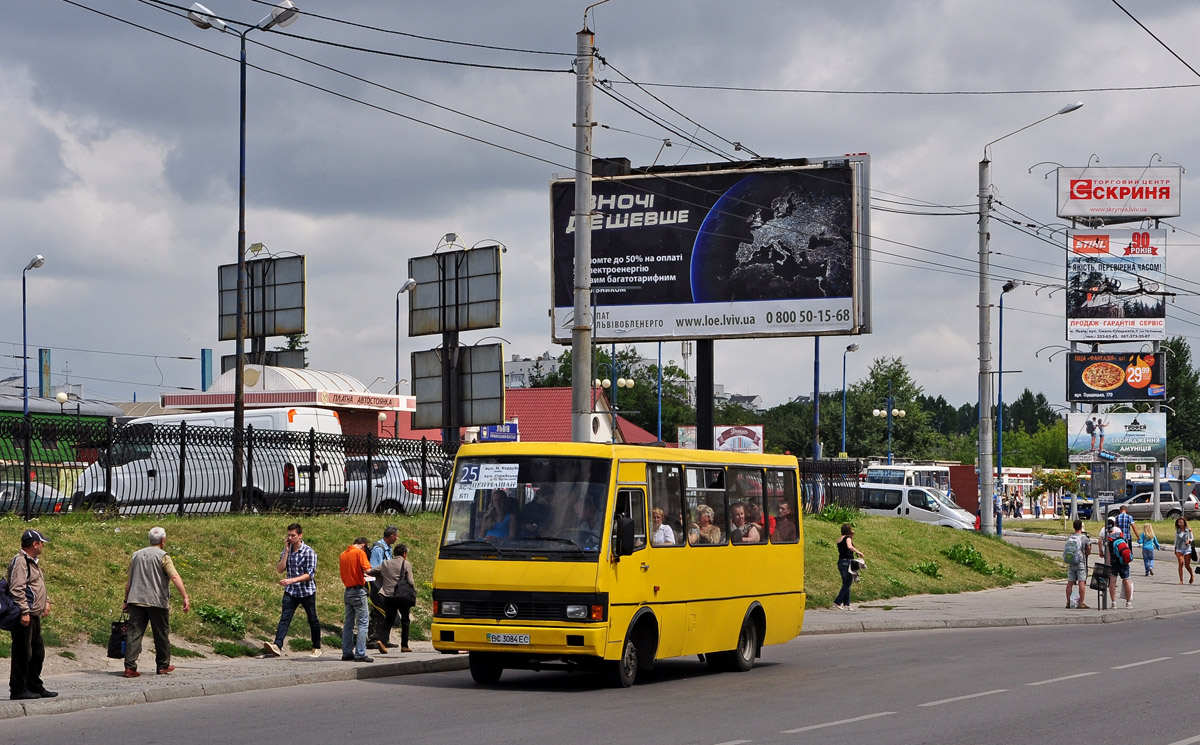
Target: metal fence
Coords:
[(826, 482), (159, 469)]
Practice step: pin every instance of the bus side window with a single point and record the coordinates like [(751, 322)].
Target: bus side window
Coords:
[(666, 496), (746, 512), (631, 503), (784, 521)]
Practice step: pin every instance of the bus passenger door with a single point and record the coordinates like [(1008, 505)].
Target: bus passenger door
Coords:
[(632, 575)]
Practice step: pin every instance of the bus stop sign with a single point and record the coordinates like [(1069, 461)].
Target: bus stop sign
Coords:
[(1181, 468)]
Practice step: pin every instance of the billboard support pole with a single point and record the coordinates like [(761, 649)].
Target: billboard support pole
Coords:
[(704, 394), (581, 330), (1157, 514)]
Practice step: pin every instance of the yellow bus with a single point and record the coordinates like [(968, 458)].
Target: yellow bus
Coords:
[(593, 556)]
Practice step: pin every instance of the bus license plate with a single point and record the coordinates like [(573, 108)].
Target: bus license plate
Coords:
[(508, 638)]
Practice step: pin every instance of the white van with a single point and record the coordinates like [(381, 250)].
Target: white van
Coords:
[(146, 470), (923, 504)]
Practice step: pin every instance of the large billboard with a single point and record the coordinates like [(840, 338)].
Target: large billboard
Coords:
[(715, 254), (275, 301), (1116, 436), (1094, 377), (1115, 285), (1115, 194)]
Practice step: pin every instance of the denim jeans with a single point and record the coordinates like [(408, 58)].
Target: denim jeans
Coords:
[(355, 599), (290, 603), (843, 597)]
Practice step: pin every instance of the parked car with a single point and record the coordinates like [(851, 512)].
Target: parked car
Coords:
[(395, 485), (1083, 506), (1141, 507), (923, 504), (45, 498)]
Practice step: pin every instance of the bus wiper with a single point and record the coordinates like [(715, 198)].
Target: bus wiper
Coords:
[(555, 539), (476, 542)]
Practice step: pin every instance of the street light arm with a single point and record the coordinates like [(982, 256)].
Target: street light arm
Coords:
[(1064, 110)]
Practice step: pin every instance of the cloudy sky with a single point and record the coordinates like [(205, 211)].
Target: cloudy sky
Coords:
[(120, 152)]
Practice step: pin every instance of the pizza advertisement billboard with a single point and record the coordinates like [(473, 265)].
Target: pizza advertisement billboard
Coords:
[(1094, 377), (1115, 284), (731, 253), (1140, 437), (1119, 193)]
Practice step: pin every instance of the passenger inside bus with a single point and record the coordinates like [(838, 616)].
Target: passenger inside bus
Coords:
[(498, 522), (784, 528), (741, 530), (703, 531), (663, 535)]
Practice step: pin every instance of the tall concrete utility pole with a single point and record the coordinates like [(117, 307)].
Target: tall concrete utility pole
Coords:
[(581, 331)]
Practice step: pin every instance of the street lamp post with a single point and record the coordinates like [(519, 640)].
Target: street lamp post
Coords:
[(621, 382), (34, 263), (1008, 287), (283, 14), (407, 286), (986, 484), (889, 412), (849, 348)]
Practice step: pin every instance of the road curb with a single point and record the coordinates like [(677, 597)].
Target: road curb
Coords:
[(68, 703)]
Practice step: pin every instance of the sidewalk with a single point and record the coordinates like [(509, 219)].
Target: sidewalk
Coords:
[(1030, 604)]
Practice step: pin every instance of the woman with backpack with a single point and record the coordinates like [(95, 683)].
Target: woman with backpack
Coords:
[(846, 554), (1183, 549), (1149, 542)]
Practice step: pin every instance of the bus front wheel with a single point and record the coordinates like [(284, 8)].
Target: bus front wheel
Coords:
[(623, 672), (485, 668)]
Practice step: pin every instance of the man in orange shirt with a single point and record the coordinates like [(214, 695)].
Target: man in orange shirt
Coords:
[(354, 566)]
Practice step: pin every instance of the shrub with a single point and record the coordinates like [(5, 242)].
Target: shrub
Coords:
[(928, 568), (230, 624), (835, 513)]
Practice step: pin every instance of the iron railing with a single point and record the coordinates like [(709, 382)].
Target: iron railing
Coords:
[(825, 482)]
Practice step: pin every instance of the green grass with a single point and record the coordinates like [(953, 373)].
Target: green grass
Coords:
[(228, 565)]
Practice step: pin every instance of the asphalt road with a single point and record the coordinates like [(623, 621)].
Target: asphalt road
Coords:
[(1105, 683)]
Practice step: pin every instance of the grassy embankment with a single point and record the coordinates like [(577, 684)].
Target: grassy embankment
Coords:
[(228, 564)]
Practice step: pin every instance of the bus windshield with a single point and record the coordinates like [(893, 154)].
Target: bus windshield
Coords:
[(512, 506)]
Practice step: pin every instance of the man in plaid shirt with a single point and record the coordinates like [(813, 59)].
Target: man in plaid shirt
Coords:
[(299, 561)]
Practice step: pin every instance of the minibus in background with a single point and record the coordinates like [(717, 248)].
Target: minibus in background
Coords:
[(583, 556)]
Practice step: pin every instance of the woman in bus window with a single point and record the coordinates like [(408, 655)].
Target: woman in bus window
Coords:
[(742, 531), (703, 530), (498, 520), (663, 535)]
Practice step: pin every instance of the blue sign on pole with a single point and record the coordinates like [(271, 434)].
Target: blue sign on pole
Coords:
[(499, 433)]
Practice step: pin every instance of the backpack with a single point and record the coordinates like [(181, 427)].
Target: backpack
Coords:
[(1072, 553), (1118, 551), (10, 612), (1090, 426)]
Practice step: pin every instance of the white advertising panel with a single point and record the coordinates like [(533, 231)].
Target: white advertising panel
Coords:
[(1119, 193), (1115, 285)]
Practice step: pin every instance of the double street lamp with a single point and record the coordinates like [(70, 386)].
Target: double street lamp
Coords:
[(606, 383), (890, 412), (283, 14), (986, 483)]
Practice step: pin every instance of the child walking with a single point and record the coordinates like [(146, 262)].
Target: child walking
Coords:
[(1148, 542)]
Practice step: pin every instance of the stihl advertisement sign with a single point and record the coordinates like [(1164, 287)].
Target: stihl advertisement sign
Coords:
[(1119, 193)]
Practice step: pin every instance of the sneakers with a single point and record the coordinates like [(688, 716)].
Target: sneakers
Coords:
[(1128, 603), (166, 670), (383, 649), (405, 649), (131, 673), (272, 650), (315, 653), (347, 658), (364, 658)]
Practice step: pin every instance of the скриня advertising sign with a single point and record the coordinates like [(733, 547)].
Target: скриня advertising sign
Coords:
[(1119, 193), (1116, 436), (718, 254), (1115, 285), (1123, 376)]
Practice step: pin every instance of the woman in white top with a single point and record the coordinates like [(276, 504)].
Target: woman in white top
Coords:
[(663, 534)]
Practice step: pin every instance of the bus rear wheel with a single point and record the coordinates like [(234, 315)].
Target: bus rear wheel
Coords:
[(738, 660), (623, 672), (485, 668)]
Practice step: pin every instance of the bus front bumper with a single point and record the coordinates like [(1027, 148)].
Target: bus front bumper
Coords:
[(552, 641)]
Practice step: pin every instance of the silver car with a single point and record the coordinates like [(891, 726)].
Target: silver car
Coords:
[(395, 485), (45, 499), (1140, 506)]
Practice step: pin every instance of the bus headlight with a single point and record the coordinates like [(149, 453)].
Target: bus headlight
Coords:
[(450, 608), (577, 612)]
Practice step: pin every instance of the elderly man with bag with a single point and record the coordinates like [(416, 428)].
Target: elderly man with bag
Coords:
[(147, 601)]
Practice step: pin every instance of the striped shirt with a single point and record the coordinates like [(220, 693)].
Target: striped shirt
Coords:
[(1125, 522), (301, 561)]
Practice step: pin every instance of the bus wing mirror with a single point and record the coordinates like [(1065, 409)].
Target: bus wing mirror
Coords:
[(625, 536)]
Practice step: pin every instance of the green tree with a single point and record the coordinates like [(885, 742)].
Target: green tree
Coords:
[(1183, 395), (866, 436)]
